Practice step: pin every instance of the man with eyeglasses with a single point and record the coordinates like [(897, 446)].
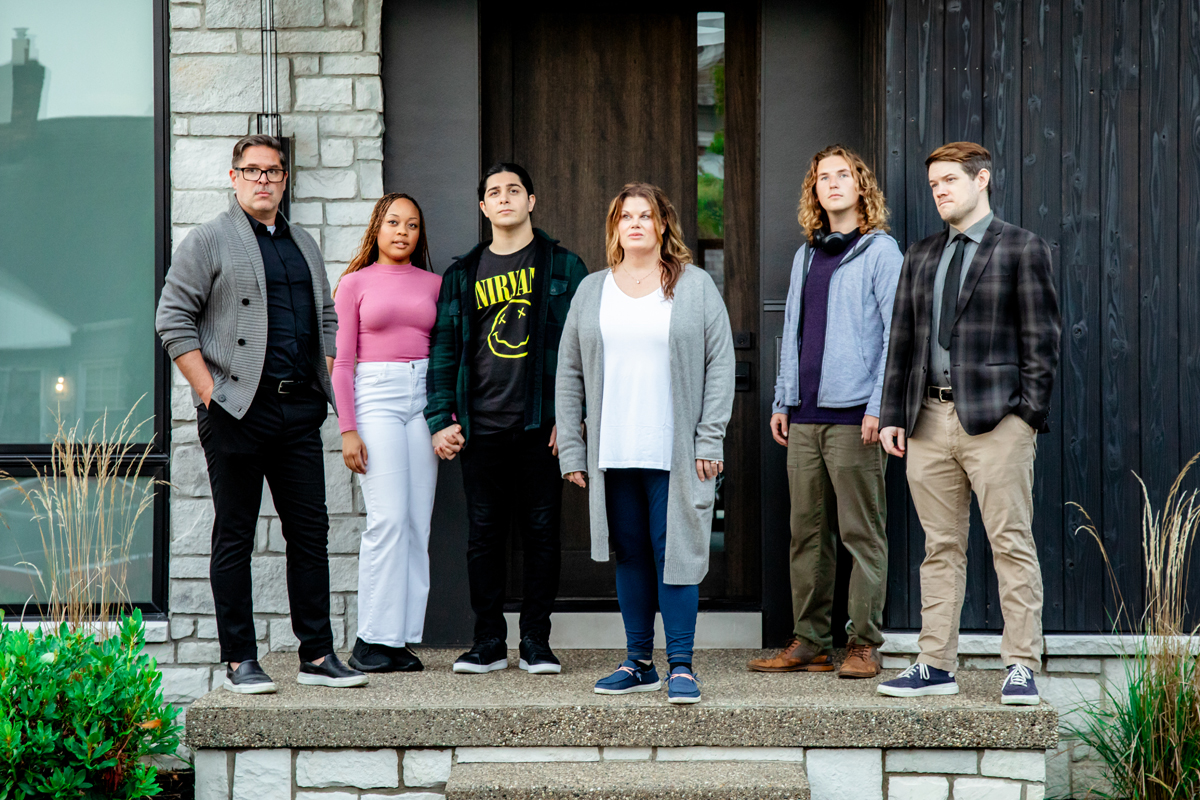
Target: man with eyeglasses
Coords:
[(247, 316)]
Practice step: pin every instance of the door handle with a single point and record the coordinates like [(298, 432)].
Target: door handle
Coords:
[(741, 376)]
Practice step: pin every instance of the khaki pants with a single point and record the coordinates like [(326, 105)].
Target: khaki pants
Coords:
[(837, 484), (944, 465)]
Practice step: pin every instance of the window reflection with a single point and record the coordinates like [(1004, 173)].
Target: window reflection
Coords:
[(710, 143)]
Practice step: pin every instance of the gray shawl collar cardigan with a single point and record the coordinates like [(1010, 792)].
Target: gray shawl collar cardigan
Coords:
[(701, 348), (215, 300)]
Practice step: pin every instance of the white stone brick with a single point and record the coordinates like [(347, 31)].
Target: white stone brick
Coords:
[(350, 65), (345, 534), (896, 662), (192, 597), (206, 628), (185, 567), (626, 753), (366, 769), (1092, 665), (1058, 770), (179, 126), (730, 754), (427, 767), (161, 653), (189, 471), (203, 42), (223, 84), (1021, 765), (341, 244), (306, 65), (261, 535), (275, 541), (337, 605), (220, 125), (343, 573), (982, 662), (1117, 674), (952, 762), (368, 94), (327, 796), (324, 94), (199, 652), (338, 627), (339, 12), (337, 153), (352, 613), (356, 214), (1035, 792), (333, 271), (157, 632), (369, 149), (184, 685), (405, 796), (270, 584), (201, 163), (303, 129), (373, 26), (925, 788), (317, 42), (985, 789), (331, 437), (182, 627), (178, 233), (244, 14), (185, 17), (851, 774), (212, 775), (524, 755), (328, 184), (363, 124), (339, 488), (195, 208), (267, 507), (191, 528), (283, 640), (1069, 696), (182, 409), (371, 179), (306, 213), (186, 433), (262, 775)]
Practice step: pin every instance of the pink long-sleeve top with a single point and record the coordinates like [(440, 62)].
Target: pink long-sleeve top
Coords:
[(385, 313)]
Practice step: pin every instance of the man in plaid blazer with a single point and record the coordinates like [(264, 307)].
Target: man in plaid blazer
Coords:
[(971, 361)]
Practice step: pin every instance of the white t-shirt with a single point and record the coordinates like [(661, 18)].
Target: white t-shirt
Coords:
[(637, 423)]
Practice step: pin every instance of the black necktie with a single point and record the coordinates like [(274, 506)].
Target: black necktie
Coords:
[(950, 292)]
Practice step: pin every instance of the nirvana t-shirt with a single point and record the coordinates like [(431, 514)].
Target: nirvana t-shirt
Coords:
[(503, 324)]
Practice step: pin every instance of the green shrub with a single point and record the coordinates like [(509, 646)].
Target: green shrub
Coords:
[(78, 716)]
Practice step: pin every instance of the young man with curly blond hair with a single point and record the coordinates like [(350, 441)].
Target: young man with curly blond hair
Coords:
[(826, 411)]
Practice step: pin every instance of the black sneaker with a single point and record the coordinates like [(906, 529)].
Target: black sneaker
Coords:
[(537, 658), (248, 678), (330, 672), (405, 660), (1019, 688), (367, 657), (488, 655)]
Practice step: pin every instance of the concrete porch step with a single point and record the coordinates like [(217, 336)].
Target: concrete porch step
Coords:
[(641, 780)]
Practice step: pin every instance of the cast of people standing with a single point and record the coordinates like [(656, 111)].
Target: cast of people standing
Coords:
[(973, 352), (490, 384), (648, 351), (826, 412), (386, 303), (247, 317)]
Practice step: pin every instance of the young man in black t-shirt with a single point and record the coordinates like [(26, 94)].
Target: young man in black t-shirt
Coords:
[(490, 385)]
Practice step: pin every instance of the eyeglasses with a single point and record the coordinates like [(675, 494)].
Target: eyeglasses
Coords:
[(254, 173)]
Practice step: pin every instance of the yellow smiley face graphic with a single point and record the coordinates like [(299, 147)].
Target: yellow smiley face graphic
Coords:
[(514, 310)]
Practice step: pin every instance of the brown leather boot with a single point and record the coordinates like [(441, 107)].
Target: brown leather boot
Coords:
[(862, 661), (797, 656)]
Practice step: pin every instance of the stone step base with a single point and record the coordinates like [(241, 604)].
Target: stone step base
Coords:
[(643, 780)]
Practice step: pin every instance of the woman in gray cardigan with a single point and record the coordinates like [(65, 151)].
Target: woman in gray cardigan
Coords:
[(647, 350)]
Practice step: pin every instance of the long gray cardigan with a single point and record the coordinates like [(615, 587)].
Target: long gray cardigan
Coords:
[(215, 296), (701, 351)]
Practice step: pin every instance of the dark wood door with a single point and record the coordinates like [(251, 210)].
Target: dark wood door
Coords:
[(589, 99)]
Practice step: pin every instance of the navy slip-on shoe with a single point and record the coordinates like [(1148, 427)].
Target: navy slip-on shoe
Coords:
[(683, 687), (919, 680), (630, 677)]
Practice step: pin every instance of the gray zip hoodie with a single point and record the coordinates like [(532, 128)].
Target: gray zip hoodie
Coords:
[(859, 323)]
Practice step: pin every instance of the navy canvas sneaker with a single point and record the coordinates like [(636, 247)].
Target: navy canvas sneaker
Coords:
[(919, 680), (630, 677), (1019, 688), (682, 686)]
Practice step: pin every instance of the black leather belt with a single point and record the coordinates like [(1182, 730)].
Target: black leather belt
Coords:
[(287, 387), (943, 394)]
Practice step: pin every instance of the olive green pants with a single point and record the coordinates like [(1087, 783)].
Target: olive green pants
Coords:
[(837, 488)]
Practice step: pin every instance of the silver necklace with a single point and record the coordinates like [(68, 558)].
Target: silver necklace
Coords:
[(647, 275)]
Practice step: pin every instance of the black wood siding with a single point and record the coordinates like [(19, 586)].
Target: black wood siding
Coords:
[(1091, 111)]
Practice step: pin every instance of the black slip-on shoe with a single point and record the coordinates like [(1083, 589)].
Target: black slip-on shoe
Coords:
[(537, 658), (367, 657), (405, 660), (248, 678), (488, 655), (331, 672)]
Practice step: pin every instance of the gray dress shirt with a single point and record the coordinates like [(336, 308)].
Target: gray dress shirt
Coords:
[(939, 357)]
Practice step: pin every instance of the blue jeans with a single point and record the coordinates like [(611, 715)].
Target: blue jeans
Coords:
[(636, 502)]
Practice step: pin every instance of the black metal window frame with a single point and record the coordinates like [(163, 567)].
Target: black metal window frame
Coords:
[(20, 459)]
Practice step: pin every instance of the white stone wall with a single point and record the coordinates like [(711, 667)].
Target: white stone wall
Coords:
[(331, 99)]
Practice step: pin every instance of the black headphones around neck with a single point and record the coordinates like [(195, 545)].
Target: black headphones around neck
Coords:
[(832, 243)]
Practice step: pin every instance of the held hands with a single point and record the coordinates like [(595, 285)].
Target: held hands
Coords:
[(870, 429), (554, 441), (893, 441), (779, 428), (448, 441), (576, 478), (354, 452)]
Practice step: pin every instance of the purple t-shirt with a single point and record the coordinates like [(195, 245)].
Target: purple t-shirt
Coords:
[(814, 313)]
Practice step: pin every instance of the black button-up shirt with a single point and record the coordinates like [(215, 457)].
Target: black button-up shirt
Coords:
[(291, 314)]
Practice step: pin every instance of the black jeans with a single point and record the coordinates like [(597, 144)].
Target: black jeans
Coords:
[(279, 439), (512, 477)]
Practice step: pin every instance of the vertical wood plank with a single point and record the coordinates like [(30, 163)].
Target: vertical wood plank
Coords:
[(1084, 576), (964, 71), (1121, 418), (1040, 198), (1189, 253)]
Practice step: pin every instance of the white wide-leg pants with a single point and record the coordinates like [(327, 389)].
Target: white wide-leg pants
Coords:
[(393, 560)]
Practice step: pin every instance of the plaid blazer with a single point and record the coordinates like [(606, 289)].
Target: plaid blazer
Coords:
[(1004, 349)]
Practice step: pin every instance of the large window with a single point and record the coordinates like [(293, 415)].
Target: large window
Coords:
[(81, 188)]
